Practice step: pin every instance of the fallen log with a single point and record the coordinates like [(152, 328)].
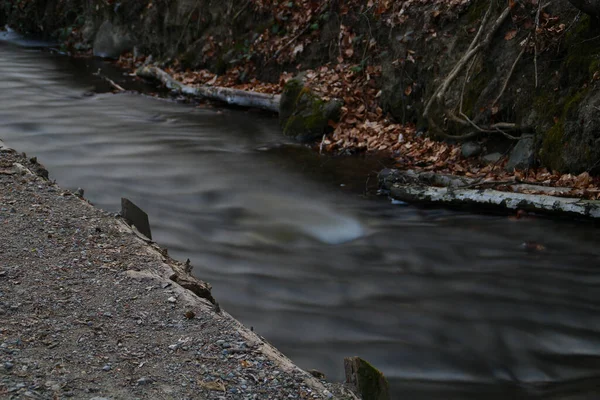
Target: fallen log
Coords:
[(236, 97), (414, 187)]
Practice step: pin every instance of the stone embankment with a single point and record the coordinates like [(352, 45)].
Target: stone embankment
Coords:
[(91, 310)]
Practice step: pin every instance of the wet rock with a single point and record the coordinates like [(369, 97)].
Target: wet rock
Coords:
[(471, 149), (303, 115), (111, 41), (523, 154)]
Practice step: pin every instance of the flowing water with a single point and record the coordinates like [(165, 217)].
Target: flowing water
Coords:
[(449, 305)]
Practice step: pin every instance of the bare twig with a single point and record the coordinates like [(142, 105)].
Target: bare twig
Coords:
[(113, 84), (462, 91)]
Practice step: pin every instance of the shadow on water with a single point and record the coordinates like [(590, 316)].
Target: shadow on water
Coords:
[(447, 304)]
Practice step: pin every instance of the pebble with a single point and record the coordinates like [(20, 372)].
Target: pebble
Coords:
[(144, 380), (171, 299), (106, 368), (8, 366)]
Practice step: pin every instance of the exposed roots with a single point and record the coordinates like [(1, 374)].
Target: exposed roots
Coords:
[(480, 42)]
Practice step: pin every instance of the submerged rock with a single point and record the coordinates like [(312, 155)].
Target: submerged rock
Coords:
[(303, 115)]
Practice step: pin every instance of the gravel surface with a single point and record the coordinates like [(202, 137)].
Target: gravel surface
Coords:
[(88, 310)]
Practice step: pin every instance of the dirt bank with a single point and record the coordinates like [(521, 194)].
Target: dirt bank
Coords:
[(90, 310)]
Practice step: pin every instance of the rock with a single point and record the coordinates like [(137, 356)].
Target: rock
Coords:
[(303, 115), (317, 374), (523, 154), (144, 380), (106, 368), (79, 193), (111, 42), (367, 380), (471, 149), (573, 144), (491, 158), (172, 299), (8, 366)]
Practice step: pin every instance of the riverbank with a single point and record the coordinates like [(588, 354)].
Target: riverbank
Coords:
[(493, 92), (91, 310)]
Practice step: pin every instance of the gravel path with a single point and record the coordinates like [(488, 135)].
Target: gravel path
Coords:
[(88, 310)]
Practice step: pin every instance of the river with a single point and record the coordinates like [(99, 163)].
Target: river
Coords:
[(447, 304)]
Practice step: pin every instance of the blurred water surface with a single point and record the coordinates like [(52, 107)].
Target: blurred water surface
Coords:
[(448, 305)]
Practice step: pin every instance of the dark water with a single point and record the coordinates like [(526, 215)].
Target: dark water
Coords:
[(448, 305)]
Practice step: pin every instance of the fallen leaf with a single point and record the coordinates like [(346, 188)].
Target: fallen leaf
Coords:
[(510, 35)]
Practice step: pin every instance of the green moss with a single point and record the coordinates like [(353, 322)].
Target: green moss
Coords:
[(553, 142), (552, 145), (372, 382), (304, 115)]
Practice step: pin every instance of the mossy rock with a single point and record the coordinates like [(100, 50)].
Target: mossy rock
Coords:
[(368, 381), (303, 115)]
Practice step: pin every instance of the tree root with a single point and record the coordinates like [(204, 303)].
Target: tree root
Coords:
[(480, 42)]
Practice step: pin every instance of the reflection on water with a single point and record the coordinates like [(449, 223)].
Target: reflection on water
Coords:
[(448, 305)]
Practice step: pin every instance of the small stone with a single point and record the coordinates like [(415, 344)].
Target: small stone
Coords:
[(471, 149), (190, 314), (79, 193), (144, 380), (317, 374), (8, 366), (106, 368), (172, 299)]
